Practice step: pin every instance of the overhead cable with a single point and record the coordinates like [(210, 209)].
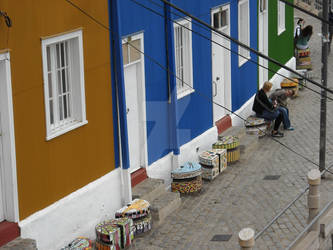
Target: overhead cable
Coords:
[(203, 95)]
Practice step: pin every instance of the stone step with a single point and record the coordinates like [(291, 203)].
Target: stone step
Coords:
[(164, 205), (236, 131), (20, 244), (149, 189)]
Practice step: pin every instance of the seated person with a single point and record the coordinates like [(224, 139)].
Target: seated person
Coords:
[(265, 109), (302, 41), (280, 96)]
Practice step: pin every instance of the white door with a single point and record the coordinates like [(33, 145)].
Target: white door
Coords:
[(263, 41), (221, 76), (8, 179), (135, 101), (2, 215)]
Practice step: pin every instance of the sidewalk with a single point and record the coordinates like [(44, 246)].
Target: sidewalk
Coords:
[(241, 197)]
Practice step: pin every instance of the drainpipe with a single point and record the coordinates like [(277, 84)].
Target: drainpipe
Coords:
[(172, 86), (118, 96)]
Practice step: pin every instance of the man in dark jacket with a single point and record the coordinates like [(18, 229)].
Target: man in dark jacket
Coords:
[(265, 109)]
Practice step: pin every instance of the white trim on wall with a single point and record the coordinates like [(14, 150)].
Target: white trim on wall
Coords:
[(76, 214), (11, 210), (246, 52), (281, 15)]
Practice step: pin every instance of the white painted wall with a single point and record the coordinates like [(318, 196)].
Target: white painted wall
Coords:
[(277, 79), (161, 168), (75, 215)]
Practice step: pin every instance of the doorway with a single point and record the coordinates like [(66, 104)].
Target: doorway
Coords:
[(134, 80), (8, 181), (221, 70)]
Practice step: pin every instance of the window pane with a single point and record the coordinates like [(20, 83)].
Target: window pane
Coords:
[(65, 106), (134, 53), (67, 80), (58, 55), (62, 54), (125, 53), (49, 80), (59, 82), (66, 53), (69, 102), (216, 21), (61, 109), (63, 75), (51, 112), (224, 18), (48, 55)]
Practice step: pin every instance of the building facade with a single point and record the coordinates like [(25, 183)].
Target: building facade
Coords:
[(58, 169), (182, 77)]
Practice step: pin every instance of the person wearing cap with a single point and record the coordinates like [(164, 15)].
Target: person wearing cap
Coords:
[(280, 96)]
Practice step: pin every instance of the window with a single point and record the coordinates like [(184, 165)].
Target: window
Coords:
[(63, 83), (281, 17), (131, 51), (262, 5), (243, 30), (220, 19), (183, 57)]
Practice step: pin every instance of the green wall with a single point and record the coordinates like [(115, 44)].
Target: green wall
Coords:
[(280, 47)]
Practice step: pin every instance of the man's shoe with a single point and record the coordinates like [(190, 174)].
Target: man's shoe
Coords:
[(290, 128), (277, 134)]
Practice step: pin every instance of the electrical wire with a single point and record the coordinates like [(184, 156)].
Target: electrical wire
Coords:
[(209, 39), (245, 46), (326, 169), (299, 195), (198, 92)]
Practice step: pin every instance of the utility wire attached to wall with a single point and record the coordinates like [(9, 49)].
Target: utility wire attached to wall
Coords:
[(8, 21)]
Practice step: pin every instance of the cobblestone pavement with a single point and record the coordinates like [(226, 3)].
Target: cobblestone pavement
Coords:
[(241, 198)]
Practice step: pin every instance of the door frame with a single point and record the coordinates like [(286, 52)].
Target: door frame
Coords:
[(227, 88), (9, 180), (262, 61), (141, 99)]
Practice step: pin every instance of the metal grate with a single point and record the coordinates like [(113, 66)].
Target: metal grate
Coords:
[(272, 177), (221, 237)]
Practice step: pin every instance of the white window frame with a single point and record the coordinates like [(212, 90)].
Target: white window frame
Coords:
[(77, 90), (185, 89), (242, 51), (281, 15)]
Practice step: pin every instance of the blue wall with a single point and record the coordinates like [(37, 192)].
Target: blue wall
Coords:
[(245, 78), (194, 110)]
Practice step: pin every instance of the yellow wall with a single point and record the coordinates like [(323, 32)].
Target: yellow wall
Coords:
[(50, 170)]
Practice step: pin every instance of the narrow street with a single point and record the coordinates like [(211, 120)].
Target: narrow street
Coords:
[(241, 197)]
